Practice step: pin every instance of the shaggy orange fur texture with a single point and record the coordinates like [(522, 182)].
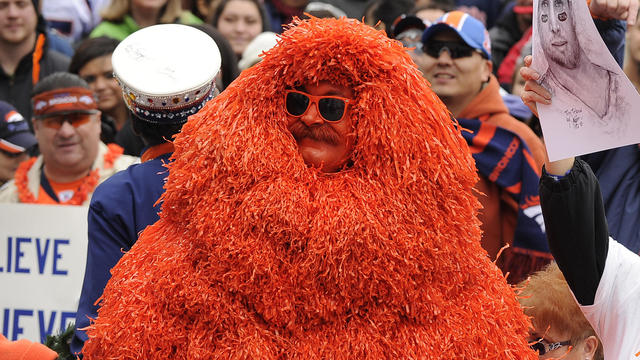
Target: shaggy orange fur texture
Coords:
[(256, 255)]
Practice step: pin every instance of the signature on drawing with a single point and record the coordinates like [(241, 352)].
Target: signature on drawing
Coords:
[(573, 116)]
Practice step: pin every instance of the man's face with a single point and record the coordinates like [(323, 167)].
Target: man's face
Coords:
[(9, 164), (558, 36), (98, 73), (458, 80), (69, 149), (324, 144), (18, 20)]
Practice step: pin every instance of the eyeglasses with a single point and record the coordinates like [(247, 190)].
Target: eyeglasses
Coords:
[(330, 108), (455, 49), (542, 349), (75, 119), (411, 39)]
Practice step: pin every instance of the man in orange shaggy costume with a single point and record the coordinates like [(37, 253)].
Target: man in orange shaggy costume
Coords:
[(353, 235)]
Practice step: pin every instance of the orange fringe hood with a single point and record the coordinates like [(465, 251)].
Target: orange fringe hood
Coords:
[(256, 255)]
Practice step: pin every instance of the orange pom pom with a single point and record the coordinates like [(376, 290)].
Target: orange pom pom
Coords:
[(256, 255)]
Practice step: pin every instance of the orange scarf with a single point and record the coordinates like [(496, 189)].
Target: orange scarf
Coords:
[(86, 187)]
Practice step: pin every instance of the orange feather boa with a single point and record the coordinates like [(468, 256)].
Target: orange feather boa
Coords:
[(256, 255)]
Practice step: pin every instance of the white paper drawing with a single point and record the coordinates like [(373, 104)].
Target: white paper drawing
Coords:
[(594, 106)]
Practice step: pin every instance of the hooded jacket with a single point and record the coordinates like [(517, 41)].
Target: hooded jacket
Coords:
[(258, 255)]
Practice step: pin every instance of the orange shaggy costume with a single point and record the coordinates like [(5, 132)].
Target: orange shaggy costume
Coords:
[(256, 255)]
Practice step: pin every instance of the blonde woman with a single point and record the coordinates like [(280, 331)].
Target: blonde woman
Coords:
[(123, 17)]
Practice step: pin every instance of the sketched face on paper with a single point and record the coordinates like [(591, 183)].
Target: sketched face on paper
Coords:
[(558, 35)]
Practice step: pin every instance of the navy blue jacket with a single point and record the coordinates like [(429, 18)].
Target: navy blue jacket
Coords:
[(120, 209)]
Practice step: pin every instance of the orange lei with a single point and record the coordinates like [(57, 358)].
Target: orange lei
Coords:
[(80, 195)]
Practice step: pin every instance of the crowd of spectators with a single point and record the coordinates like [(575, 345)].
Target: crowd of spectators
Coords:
[(470, 51)]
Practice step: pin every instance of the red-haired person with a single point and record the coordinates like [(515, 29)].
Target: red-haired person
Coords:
[(560, 330)]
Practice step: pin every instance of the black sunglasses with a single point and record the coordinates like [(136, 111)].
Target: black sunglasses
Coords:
[(456, 50), (542, 349), (331, 108)]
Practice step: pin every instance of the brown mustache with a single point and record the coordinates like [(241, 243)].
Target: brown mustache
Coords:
[(322, 133)]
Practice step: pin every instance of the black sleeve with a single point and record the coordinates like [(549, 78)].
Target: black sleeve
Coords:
[(576, 228)]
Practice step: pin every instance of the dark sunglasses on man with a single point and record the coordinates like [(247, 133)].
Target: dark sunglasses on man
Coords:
[(331, 108), (456, 50)]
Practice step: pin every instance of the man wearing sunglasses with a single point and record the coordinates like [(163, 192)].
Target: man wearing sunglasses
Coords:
[(73, 160), (320, 122), (320, 207), (507, 153)]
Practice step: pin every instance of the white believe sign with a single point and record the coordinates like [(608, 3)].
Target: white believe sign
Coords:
[(43, 251)]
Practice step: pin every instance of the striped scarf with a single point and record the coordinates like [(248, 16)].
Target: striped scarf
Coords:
[(503, 158)]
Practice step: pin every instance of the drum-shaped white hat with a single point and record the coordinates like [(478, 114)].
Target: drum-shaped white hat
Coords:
[(167, 72)]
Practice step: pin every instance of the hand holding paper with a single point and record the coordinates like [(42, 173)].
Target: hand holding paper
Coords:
[(535, 93), (594, 105)]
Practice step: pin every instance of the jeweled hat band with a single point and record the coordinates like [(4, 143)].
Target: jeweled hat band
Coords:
[(163, 110), (66, 100), (166, 109)]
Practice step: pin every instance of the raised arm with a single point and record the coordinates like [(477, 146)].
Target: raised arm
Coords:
[(572, 208)]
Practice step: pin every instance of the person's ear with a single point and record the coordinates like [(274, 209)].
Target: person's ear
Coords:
[(590, 346), (35, 125), (487, 70)]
